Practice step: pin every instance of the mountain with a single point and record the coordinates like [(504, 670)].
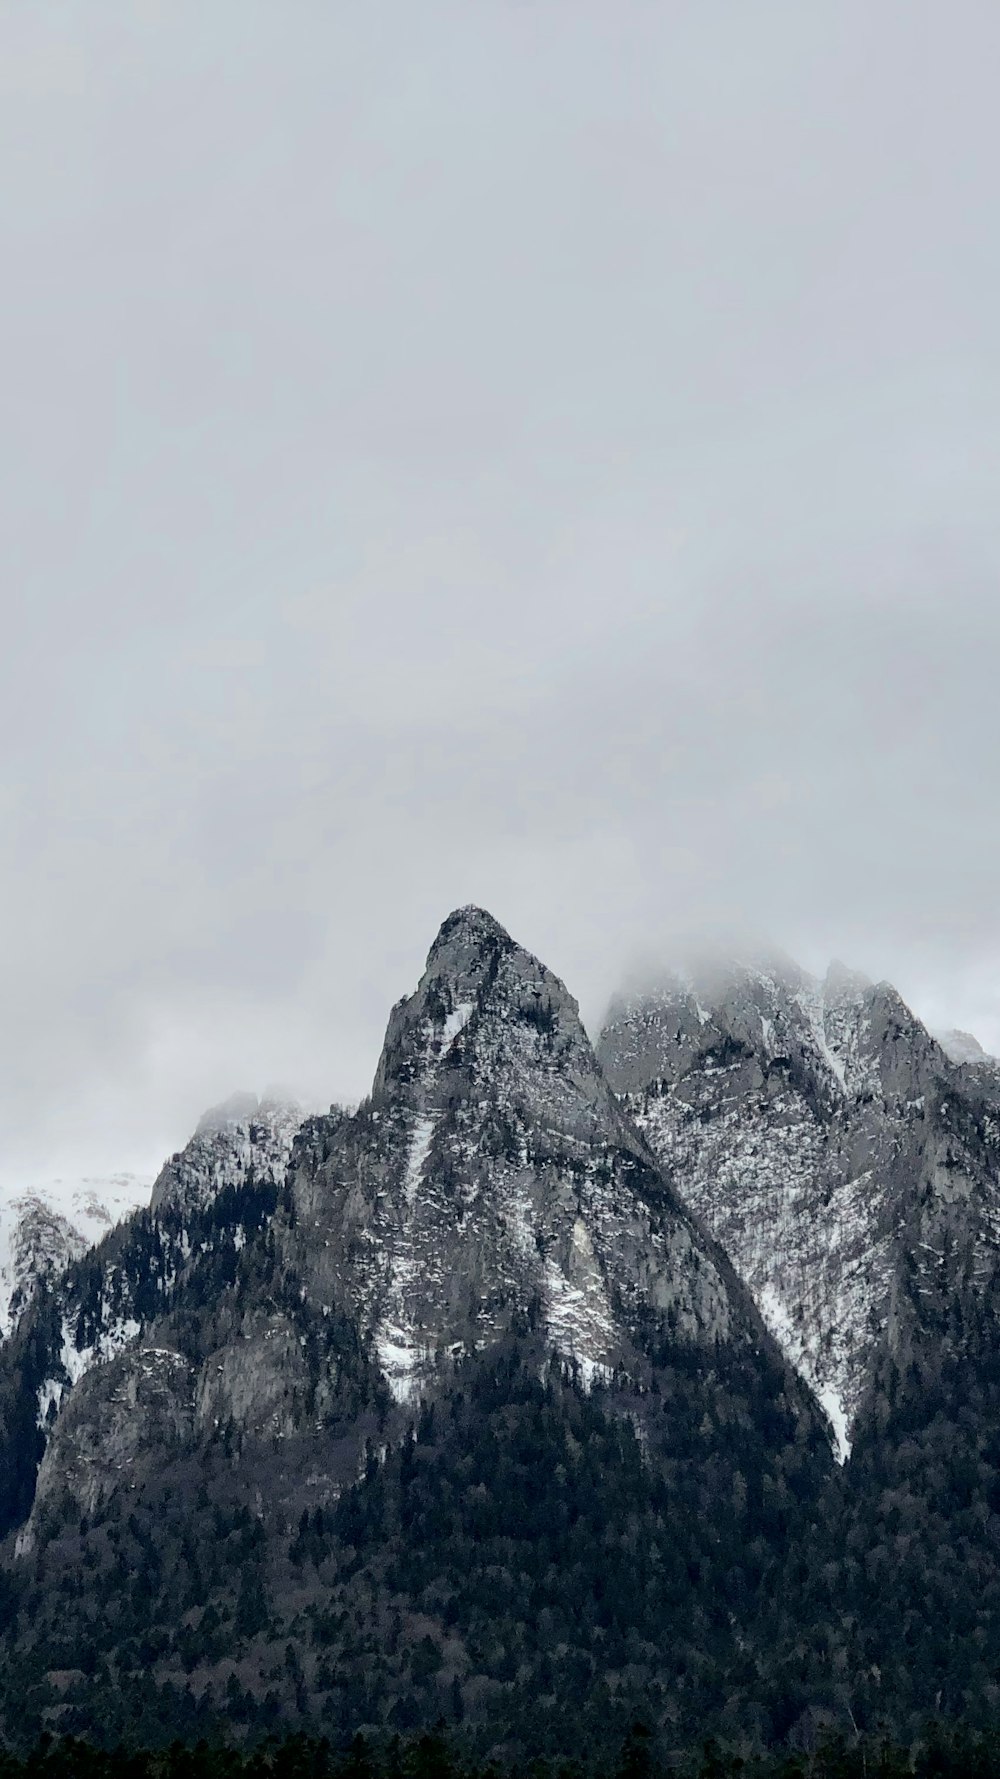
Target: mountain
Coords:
[(846, 1164), (851, 1168), (43, 1227), (961, 1046), (208, 1201), (469, 1417), (46, 1228), (492, 1172), (244, 1138)]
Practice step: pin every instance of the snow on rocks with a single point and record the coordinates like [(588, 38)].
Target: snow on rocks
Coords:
[(244, 1138), (46, 1226), (491, 1179), (801, 1121)]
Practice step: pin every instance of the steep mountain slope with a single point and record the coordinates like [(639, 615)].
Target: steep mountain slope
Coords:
[(491, 1175), (847, 1166), (208, 1202), (490, 1182), (607, 1442), (44, 1227), (243, 1139)]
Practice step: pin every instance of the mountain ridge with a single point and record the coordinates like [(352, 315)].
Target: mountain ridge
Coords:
[(805, 1119), (466, 1414), (485, 1245)]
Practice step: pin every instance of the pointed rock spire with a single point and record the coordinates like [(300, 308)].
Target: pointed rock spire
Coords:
[(493, 1176)]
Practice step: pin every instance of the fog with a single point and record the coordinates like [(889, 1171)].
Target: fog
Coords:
[(542, 454)]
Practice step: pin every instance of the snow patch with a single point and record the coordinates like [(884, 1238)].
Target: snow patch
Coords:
[(399, 1359), (577, 1312), (456, 1022), (46, 1226), (420, 1143), (812, 1004), (76, 1361), (833, 1407), (797, 1351)]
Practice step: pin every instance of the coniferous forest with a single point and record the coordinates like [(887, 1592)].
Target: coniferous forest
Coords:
[(938, 1754)]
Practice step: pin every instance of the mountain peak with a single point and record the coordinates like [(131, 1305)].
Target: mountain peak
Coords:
[(842, 981), (243, 1138), (468, 928), (475, 971), (237, 1109), (502, 1180), (960, 1046), (803, 1125)]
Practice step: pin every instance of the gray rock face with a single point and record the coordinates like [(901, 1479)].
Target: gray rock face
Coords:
[(828, 1143), (242, 1138), (492, 1175), (142, 1398), (106, 1309)]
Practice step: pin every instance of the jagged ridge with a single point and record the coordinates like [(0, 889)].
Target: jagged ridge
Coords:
[(812, 1125)]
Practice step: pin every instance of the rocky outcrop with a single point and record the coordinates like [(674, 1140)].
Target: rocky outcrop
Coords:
[(815, 1127), (244, 1138), (45, 1227), (492, 1176), (141, 1400), (210, 1202)]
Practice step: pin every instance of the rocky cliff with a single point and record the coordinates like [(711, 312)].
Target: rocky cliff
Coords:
[(846, 1164), (243, 1139)]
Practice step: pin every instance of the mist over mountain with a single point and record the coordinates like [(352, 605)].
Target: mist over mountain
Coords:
[(469, 1404), (614, 543), (844, 1159)]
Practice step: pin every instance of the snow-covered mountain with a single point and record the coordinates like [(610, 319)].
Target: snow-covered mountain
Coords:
[(48, 1224), (848, 1167)]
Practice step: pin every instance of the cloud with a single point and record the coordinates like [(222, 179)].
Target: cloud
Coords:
[(530, 455)]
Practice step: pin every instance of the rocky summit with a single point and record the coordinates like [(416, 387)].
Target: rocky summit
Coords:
[(847, 1163), (492, 1175), (243, 1139)]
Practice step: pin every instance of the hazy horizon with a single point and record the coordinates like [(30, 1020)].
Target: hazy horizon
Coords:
[(540, 455)]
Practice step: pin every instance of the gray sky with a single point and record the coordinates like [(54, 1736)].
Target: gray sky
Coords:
[(541, 453)]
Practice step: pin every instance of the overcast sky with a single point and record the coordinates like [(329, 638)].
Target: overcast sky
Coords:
[(539, 453)]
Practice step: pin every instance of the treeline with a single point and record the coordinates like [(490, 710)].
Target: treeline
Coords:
[(942, 1753), (536, 1569)]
